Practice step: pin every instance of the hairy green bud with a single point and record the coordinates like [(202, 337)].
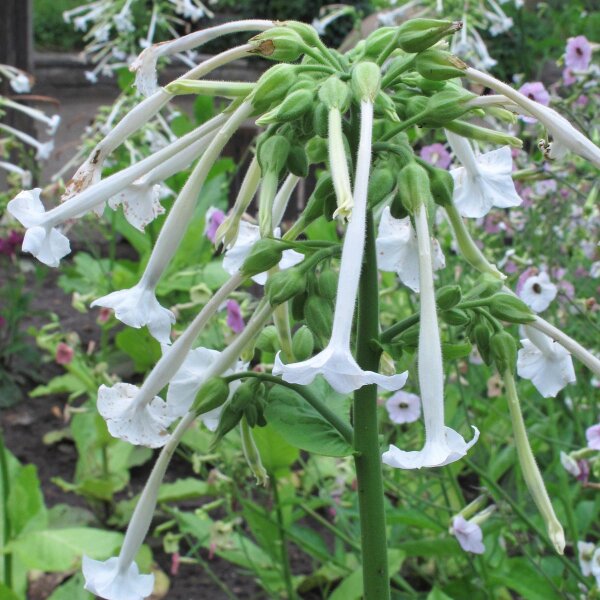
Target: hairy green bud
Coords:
[(510, 308), (278, 43), (303, 343), (328, 284), (334, 93), (272, 86), (268, 340), (439, 65), (294, 106), (318, 314), (413, 182), (441, 184), (366, 81), (284, 285), (316, 150), (265, 254), (321, 120), (448, 296), (213, 393), (417, 35), (455, 316), (504, 351), (297, 161), (481, 336), (381, 184)]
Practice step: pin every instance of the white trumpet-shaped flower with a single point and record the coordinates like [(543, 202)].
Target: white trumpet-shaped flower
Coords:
[(141, 203), (545, 362), (22, 173), (108, 580), (564, 136), (398, 252), (247, 236), (138, 306), (189, 379), (46, 243), (51, 123), (443, 445), (43, 150), (336, 363), (483, 181)]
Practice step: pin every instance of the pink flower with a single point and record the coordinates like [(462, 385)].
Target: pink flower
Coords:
[(582, 100), (593, 437), (214, 217), (403, 407), (234, 316), (468, 534), (104, 314), (568, 77), (175, 562), (525, 275), (535, 90), (436, 155), (64, 354), (578, 53)]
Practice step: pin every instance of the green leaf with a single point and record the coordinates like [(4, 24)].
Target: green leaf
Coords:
[(437, 594), (140, 346), (7, 594), (302, 426), (429, 548), (184, 489), (521, 576), (72, 589), (25, 502), (55, 550), (276, 454), (204, 109), (454, 351)]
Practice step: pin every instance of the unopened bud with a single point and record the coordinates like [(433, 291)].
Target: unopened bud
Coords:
[(265, 254), (272, 154), (293, 107), (417, 35), (268, 340), (328, 284), (319, 316), (441, 184), (385, 106), (284, 285), (278, 43), (297, 161), (413, 181), (481, 335), (272, 86), (483, 134), (448, 296), (455, 316), (366, 81), (381, 184), (321, 120), (213, 393), (252, 455), (446, 106), (334, 93), (507, 307), (504, 351), (438, 65), (316, 150), (303, 343)]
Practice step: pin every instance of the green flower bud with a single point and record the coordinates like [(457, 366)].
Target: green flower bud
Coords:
[(366, 81), (328, 284), (278, 43), (321, 120), (483, 134), (413, 182), (231, 415), (307, 33), (507, 307), (445, 106), (322, 193), (410, 337), (334, 93), (297, 306), (265, 254), (316, 150), (439, 65), (377, 41), (213, 393), (385, 106), (268, 340), (454, 351), (284, 285), (504, 351), (318, 314), (448, 296), (303, 343), (397, 208), (272, 154), (381, 184), (297, 161), (415, 105), (417, 35), (485, 287), (252, 455), (481, 336), (293, 107), (272, 86), (455, 316)]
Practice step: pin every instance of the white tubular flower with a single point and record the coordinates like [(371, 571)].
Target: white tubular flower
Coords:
[(138, 306), (336, 363), (141, 203), (282, 198), (108, 580), (483, 181), (51, 123), (339, 165), (46, 243), (468, 534), (397, 249), (22, 173), (247, 236), (43, 150), (538, 292), (564, 135), (443, 445), (545, 363), (21, 84), (585, 554), (144, 65), (189, 379)]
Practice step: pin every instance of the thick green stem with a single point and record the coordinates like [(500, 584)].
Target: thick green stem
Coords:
[(367, 458), (6, 529), (285, 558)]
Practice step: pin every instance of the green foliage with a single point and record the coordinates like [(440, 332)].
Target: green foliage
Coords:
[(50, 32)]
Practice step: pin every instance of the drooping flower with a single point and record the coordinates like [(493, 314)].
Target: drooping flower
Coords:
[(538, 292), (335, 362), (569, 464), (578, 53), (403, 407), (138, 306), (64, 354), (468, 534), (585, 554), (536, 91), (545, 362), (436, 155), (247, 236), (443, 445), (483, 181), (235, 321), (108, 579), (141, 203), (397, 249), (214, 218), (593, 437)]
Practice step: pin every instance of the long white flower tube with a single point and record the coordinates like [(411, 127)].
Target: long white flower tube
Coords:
[(141, 199), (42, 149), (335, 362), (545, 362), (443, 445), (564, 135), (29, 211), (339, 164), (483, 181), (145, 64), (22, 173), (141, 416), (138, 306), (90, 170), (282, 198), (51, 123)]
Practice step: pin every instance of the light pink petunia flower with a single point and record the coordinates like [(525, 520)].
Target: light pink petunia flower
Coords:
[(403, 407), (578, 54), (235, 321), (535, 90), (468, 534), (214, 218), (593, 437), (64, 354), (436, 155)]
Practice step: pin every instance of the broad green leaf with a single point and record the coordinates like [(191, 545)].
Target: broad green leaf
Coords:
[(25, 502), (7, 594), (522, 577), (302, 426), (437, 594), (72, 589), (204, 109), (184, 489), (276, 454), (140, 346)]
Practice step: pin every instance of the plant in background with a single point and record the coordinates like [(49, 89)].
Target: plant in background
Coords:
[(350, 116)]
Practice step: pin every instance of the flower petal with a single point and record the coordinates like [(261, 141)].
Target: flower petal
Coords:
[(141, 204), (47, 245), (106, 580)]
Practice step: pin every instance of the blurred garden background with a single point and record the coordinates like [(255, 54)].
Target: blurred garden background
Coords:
[(69, 488)]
